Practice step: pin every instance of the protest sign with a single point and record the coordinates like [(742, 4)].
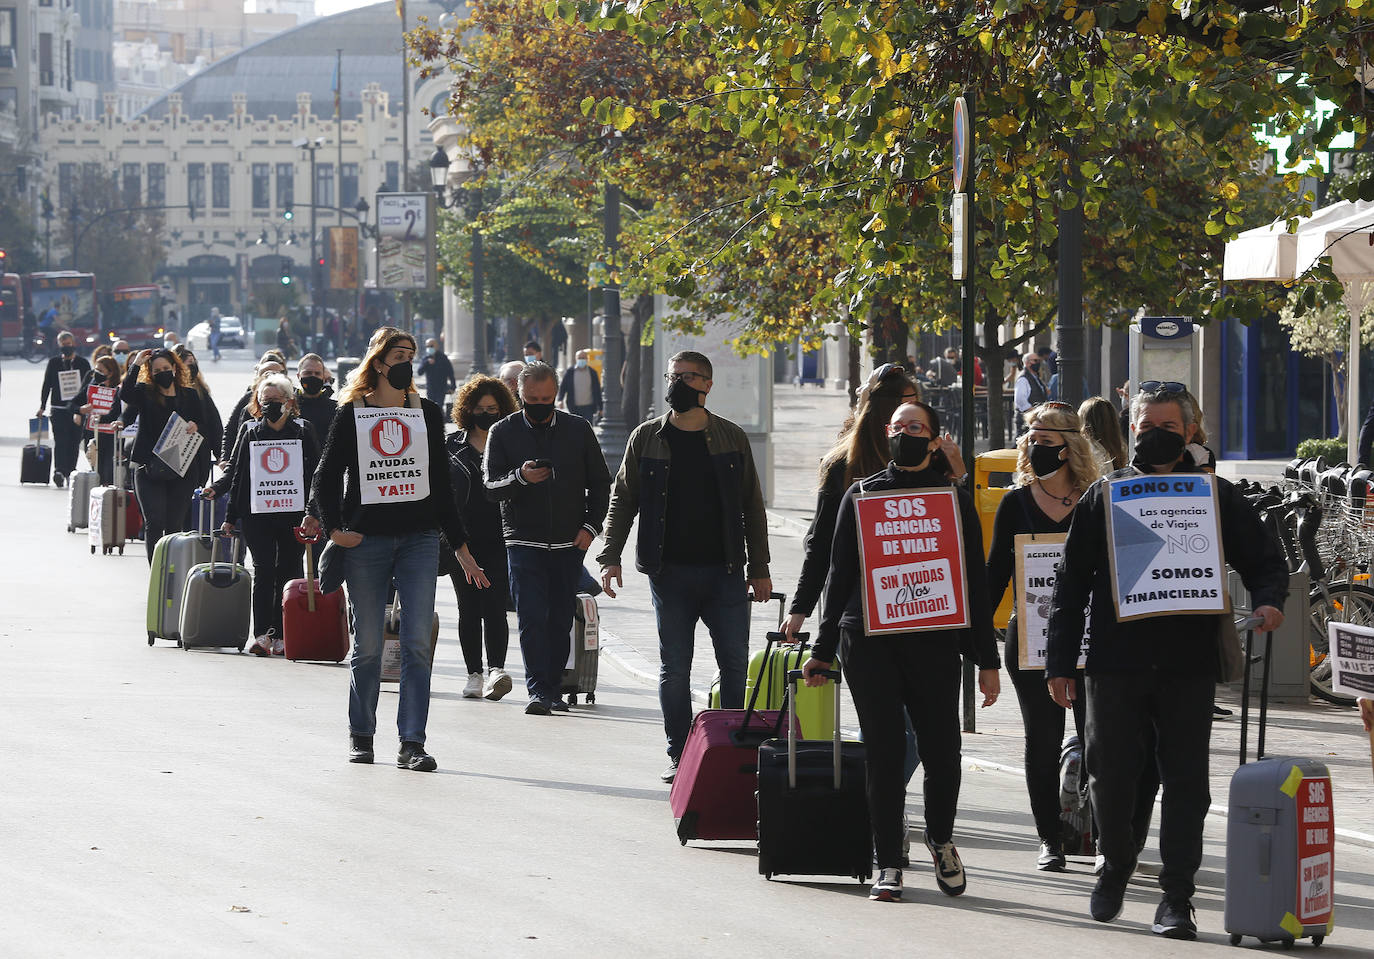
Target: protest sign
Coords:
[(276, 470), (1164, 546), (68, 384), (101, 399), (393, 454), (1352, 659), (38, 425), (1037, 559), (177, 446), (911, 557)]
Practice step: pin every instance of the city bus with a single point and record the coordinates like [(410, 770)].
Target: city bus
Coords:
[(11, 313), (69, 298), (133, 313)]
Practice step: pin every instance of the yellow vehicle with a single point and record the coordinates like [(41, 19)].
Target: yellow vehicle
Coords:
[(992, 474)]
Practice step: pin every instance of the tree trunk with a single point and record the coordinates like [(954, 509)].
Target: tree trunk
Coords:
[(635, 397), (890, 332), (991, 355)]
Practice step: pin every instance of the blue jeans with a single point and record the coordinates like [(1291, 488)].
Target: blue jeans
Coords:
[(682, 595), (412, 562), (543, 583)]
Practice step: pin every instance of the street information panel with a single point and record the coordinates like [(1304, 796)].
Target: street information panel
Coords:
[(1164, 544), (911, 557), (1352, 659), (405, 241)]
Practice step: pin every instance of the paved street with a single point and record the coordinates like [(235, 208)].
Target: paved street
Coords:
[(158, 802)]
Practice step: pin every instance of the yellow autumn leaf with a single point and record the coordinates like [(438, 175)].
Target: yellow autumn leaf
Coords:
[(1230, 190), (1151, 197), (1157, 12), (1014, 212), (1085, 22)]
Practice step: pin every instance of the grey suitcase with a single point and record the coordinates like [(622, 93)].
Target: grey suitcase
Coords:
[(391, 642), (107, 517), (1280, 839), (79, 486), (584, 653), (218, 600), (174, 556)]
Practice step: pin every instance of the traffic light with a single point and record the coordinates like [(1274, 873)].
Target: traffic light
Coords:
[(47, 206), (317, 281), (288, 214), (285, 271), (4, 260)]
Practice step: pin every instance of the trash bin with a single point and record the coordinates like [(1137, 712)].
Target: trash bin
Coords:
[(992, 477), (346, 365)]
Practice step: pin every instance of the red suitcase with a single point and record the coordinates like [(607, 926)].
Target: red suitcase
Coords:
[(717, 775), (314, 624)]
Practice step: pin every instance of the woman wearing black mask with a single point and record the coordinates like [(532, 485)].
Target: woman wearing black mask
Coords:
[(1054, 465), (106, 372), (316, 397), (382, 493), (915, 672), (275, 452), (156, 387), (62, 383), (212, 427), (481, 402)]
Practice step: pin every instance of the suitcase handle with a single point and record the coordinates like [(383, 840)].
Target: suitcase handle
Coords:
[(793, 677), (204, 516), (1250, 624)]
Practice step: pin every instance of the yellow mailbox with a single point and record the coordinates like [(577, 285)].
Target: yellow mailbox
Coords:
[(992, 475)]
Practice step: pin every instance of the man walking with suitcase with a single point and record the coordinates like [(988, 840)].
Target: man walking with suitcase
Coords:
[(1157, 673), (62, 387), (703, 539)]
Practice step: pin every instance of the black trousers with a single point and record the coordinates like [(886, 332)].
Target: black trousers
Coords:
[(276, 561), (163, 503), (66, 440), (918, 676), (482, 614), (1123, 709), (1043, 720)]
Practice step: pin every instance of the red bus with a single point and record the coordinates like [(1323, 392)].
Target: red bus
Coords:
[(11, 313), (68, 299), (133, 313)]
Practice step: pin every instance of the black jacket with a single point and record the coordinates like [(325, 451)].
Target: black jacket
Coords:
[(231, 428), (1182, 643), (843, 604), (154, 410), (566, 391), (237, 478), (50, 388), (318, 411), (438, 374), (548, 514), (480, 515), (819, 539)]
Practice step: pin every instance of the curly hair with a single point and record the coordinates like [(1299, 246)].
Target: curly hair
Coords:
[(862, 441), (363, 380), (1058, 416), (471, 393), (182, 378)]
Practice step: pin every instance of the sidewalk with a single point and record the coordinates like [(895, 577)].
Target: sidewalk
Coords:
[(805, 421)]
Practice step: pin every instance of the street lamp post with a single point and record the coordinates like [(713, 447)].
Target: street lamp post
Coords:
[(310, 146), (612, 428)]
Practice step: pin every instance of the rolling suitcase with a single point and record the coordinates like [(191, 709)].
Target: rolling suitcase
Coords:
[(80, 485), (218, 600), (584, 651), (107, 517), (712, 796), (174, 556), (391, 642), (1280, 836), (314, 625), (813, 804), (36, 465)]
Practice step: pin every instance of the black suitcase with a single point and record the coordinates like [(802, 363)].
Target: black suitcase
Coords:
[(813, 803), (36, 466)]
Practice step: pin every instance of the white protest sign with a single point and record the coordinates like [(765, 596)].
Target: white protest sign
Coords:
[(177, 446), (1037, 559), (1352, 659), (393, 454), (1164, 545), (68, 384), (276, 470)]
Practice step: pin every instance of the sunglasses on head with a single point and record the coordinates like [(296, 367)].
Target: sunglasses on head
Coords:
[(883, 372), (1163, 386)]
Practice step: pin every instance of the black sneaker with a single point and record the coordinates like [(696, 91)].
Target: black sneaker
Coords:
[(1051, 858), (1174, 919), (59, 480), (949, 869), (558, 705), (536, 707), (359, 749), (1108, 896), (413, 756)]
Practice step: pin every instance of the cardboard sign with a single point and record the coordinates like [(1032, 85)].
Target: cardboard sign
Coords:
[(101, 399), (1352, 659), (591, 633), (1316, 844), (1164, 546), (177, 446), (68, 384), (276, 470), (38, 426), (911, 558), (393, 454), (1037, 561)]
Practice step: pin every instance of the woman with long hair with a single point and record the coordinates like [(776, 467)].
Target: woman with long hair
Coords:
[(105, 371), (382, 493), (157, 387), (1055, 463), (1102, 430), (212, 427), (481, 402)]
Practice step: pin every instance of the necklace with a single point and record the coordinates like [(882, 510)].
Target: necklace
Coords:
[(1064, 500)]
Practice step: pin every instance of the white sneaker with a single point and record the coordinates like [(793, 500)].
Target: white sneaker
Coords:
[(473, 690), (278, 647), (261, 646), (498, 683), (888, 888)]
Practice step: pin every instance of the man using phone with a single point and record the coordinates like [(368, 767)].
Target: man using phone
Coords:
[(703, 539), (546, 470)]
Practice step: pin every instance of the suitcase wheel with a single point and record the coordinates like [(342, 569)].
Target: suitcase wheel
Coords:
[(1318, 940), (591, 699), (121, 551), (1287, 943), (151, 637), (92, 550), (70, 528), (1236, 938), (572, 699)]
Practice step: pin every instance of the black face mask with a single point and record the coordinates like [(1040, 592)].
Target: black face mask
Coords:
[(164, 378), (540, 414), (907, 450), (312, 384), (1044, 460), (272, 410), (683, 398), (1158, 447), (68, 351), (485, 421), (400, 375)]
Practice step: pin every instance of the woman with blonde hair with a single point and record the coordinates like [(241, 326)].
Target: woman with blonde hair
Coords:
[(1054, 466), (382, 493), (1102, 429)]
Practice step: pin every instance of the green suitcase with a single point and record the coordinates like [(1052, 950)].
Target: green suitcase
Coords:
[(815, 704)]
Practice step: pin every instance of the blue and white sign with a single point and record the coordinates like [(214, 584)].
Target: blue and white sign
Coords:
[(1166, 327), (1164, 545)]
